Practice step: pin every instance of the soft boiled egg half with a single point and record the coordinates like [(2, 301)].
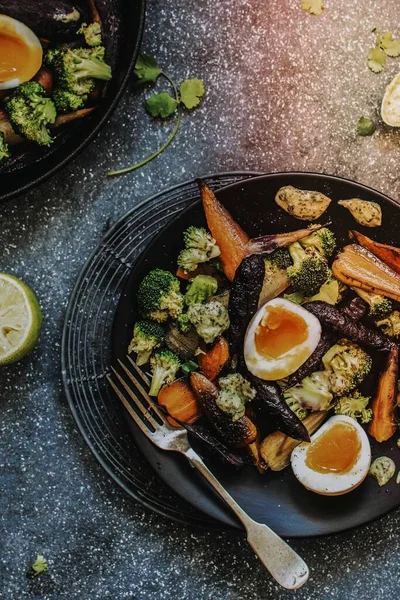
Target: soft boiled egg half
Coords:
[(280, 338), (336, 461), (20, 53)]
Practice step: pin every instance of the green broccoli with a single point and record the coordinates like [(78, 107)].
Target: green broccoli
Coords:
[(321, 243), (67, 101), (355, 406), (159, 296), (209, 319), (391, 324), (31, 112), (4, 149), (201, 288), (348, 365), (281, 257), (308, 272), (329, 292), (147, 336), (200, 247), (77, 69), (312, 393), (379, 306), (295, 406), (234, 392), (184, 323), (50, 57), (164, 366), (92, 34)]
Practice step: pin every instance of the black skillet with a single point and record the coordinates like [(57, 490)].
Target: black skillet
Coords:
[(276, 499)]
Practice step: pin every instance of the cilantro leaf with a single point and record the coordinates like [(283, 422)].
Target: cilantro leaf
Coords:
[(191, 91), (376, 60), (314, 7), (39, 566), (365, 126), (390, 46), (147, 69), (161, 105)]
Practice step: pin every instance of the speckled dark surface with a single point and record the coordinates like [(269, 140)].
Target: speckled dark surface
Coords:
[(285, 91)]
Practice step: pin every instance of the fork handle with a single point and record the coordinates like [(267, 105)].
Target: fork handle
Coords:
[(284, 564)]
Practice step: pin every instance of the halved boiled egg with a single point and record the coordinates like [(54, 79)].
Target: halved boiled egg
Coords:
[(280, 338), (336, 461), (20, 53)]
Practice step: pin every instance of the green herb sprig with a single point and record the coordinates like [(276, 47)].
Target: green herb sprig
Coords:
[(38, 567)]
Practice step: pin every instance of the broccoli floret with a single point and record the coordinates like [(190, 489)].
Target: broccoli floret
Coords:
[(77, 69), (147, 336), (329, 292), (51, 56), (312, 393), (31, 112), (235, 391), (92, 34), (379, 306), (183, 323), (348, 365), (4, 149), (209, 319), (201, 289), (200, 247), (391, 324), (67, 101), (308, 273), (159, 296), (354, 406), (164, 366), (282, 259), (321, 242)]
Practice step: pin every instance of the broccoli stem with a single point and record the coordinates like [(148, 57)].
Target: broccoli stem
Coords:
[(157, 381)]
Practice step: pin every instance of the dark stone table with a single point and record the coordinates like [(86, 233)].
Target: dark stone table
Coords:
[(284, 91)]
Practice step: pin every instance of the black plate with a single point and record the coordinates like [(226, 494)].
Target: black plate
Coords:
[(123, 22), (276, 499)]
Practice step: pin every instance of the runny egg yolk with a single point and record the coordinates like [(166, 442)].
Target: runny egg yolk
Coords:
[(279, 331), (14, 53), (335, 451)]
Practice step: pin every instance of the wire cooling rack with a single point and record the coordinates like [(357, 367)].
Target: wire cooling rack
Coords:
[(86, 348)]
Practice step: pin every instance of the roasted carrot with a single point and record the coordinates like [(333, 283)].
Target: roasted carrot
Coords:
[(179, 401), (383, 424), (212, 362), (230, 237), (389, 254)]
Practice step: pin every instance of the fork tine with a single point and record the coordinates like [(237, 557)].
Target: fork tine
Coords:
[(144, 393), (130, 410), (139, 371), (143, 409)]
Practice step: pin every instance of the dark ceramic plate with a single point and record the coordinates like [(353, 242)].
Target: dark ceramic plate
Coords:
[(276, 499), (123, 22)]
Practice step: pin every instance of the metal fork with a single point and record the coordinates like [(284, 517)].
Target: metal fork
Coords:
[(284, 564)]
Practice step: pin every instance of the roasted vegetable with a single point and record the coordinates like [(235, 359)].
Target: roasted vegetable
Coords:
[(147, 336), (243, 299), (201, 288), (276, 279), (277, 447), (348, 365), (183, 323), (313, 393), (302, 204), (383, 424), (388, 254), (366, 213), (213, 361), (77, 69), (230, 237), (238, 433), (210, 320), (308, 272), (321, 242), (159, 297), (335, 319), (382, 469), (379, 306), (312, 363), (329, 292), (92, 34), (4, 149), (356, 309), (200, 247), (45, 78), (270, 243), (179, 401), (66, 102), (184, 344), (354, 406), (234, 393), (164, 366), (255, 456), (31, 113), (358, 267), (390, 325)]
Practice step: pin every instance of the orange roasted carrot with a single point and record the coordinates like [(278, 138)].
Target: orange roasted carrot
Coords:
[(179, 401), (389, 254), (212, 362), (230, 237), (383, 424)]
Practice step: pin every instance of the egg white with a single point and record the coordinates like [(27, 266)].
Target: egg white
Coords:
[(271, 369), (332, 484), (34, 61)]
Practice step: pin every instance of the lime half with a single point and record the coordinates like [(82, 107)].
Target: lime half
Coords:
[(20, 319)]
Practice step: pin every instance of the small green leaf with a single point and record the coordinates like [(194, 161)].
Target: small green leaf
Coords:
[(39, 566), (161, 105), (314, 7), (146, 69), (191, 91), (376, 60), (189, 366), (390, 46), (365, 126)]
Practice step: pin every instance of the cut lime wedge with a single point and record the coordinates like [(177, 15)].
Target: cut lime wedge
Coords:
[(20, 319)]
